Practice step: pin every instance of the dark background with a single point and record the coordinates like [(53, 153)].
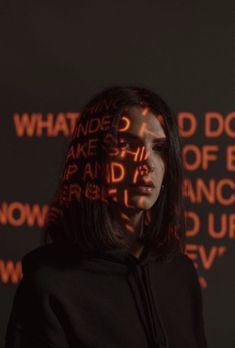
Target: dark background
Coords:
[(55, 55)]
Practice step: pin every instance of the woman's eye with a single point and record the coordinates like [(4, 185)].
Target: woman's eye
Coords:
[(125, 145), (158, 148), (128, 145), (132, 146)]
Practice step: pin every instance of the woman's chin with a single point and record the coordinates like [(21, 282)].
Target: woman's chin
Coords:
[(140, 202), (144, 204), (135, 201)]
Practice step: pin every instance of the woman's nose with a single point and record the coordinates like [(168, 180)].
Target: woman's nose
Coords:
[(147, 162), (141, 156), (145, 169)]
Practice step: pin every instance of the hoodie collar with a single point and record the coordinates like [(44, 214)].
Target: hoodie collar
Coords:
[(117, 260)]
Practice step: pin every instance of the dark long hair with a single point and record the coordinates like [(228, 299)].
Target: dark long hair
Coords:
[(87, 222)]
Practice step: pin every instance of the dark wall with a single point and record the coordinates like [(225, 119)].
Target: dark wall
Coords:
[(55, 55)]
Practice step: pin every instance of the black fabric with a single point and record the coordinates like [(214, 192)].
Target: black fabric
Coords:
[(108, 300)]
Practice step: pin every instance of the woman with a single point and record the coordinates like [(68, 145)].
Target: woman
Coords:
[(114, 273)]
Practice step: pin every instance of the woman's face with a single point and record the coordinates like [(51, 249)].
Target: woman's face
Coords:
[(135, 160)]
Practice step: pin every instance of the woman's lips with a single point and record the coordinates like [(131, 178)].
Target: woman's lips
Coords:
[(144, 183), (142, 189)]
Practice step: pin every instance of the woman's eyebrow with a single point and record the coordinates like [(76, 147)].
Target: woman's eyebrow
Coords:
[(136, 137)]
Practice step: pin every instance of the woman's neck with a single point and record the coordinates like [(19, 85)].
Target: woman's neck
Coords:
[(132, 226), (136, 249)]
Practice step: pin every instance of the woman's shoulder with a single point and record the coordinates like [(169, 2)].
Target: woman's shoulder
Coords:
[(179, 267), (186, 271), (50, 259), (183, 260), (188, 265)]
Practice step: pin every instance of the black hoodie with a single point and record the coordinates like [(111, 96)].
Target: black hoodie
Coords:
[(108, 300)]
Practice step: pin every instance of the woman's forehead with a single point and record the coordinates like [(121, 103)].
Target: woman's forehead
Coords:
[(141, 122)]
